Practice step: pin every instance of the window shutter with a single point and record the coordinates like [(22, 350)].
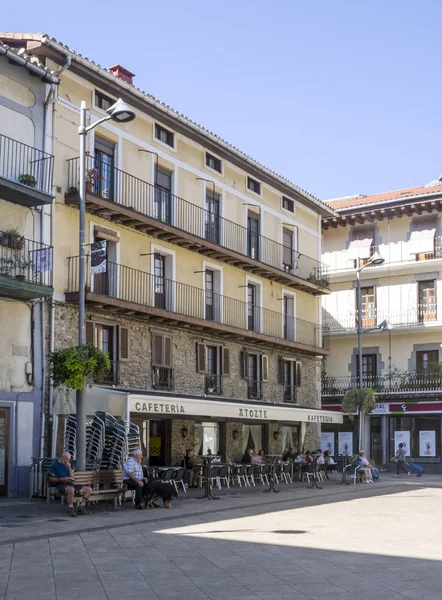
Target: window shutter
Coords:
[(89, 333), (201, 358), (157, 350), (243, 362), (123, 345), (298, 374), (280, 370), (264, 367), (226, 361), (167, 351)]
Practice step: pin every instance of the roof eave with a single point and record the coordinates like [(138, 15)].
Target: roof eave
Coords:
[(22, 61)]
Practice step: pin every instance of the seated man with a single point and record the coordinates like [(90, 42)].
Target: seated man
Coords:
[(133, 477), (62, 476)]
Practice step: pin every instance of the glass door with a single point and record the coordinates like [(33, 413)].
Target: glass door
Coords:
[(162, 209), (253, 236), (212, 220), (159, 281)]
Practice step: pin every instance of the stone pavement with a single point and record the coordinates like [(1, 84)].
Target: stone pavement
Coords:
[(370, 542)]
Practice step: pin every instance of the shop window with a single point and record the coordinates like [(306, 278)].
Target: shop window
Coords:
[(206, 438), (420, 434), (290, 438)]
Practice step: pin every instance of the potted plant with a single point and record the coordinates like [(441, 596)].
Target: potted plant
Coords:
[(92, 176), (12, 239), (27, 179), (6, 264), (20, 267), (211, 384), (72, 367)]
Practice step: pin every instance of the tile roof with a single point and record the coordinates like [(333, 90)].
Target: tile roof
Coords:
[(361, 200), (44, 38), (30, 58)]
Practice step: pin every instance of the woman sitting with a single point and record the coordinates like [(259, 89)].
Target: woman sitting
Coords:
[(365, 467)]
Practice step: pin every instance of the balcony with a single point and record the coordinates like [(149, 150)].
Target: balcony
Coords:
[(400, 383), (112, 376), (254, 389), (162, 378), (25, 173), (419, 315), (25, 267), (214, 384), (130, 291), (125, 199), (394, 253), (289, 393)]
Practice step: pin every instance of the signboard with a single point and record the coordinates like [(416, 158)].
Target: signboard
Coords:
[(98, 257), (212, 408), (328, 442), (345, 442), (402, 437), (381, 409), (427, 443)]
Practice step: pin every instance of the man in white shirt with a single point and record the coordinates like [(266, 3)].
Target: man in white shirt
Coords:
[(319, 457), (133, 477)]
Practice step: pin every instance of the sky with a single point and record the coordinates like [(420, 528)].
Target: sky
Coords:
[(342, 97)]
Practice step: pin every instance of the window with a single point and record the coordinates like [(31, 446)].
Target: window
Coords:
[(290, 438), (162, 209), (102, 101), (252, 309), (425, 358), (423, 238), (424, 438), (288, 307), (162, 374), (213, 163), (427, 301), (289, 375), (368, 306), (214, 361), (112, 339), (288, 204), (210, 313), (252, 437), (253, 235), (206, 438), (288, 255), (164, 135), (369, 369), (212, 218), (253, 185), (103, 181), (254, 368), (160, 280)]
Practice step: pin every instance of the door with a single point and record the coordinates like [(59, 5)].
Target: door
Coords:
[(254, 384), (210, 313), (4, 445), (212, 219), (368, 307), (251, 307), (289, 319), (376, 440), (103, 184), (253, 236), (368, 369), (427, 301), (287, 250), (289, 367), (157, 443), (162, 209), (160, 281)]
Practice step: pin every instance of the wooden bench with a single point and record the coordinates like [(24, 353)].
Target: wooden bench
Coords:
[(106, 485)]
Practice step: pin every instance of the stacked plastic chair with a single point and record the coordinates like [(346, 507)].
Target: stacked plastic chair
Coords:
[(95, 439), (70, 435)]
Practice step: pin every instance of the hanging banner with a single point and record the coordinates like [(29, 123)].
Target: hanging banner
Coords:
[(42, 260), (328, 442), (345, 442), (427, 443), (402, 437), (98, 257)]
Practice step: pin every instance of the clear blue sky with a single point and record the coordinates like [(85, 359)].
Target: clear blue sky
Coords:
[(340, 96)]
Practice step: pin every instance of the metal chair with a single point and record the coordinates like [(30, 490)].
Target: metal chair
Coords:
[(178, 477)]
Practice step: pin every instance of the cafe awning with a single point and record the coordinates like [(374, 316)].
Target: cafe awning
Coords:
[(204, 408)]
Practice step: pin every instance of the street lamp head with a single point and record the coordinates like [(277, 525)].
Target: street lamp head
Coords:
[(121, 112), (376, 259), (385, 326)]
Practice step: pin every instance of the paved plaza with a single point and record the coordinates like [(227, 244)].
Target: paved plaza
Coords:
[(371, 542)]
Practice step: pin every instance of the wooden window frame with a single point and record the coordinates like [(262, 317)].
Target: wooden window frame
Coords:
[(252, 184), (216, 161), (170, 135)]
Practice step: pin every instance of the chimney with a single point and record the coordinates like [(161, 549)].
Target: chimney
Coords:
[(122, 73)]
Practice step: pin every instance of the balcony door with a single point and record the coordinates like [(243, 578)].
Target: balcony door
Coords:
[(288, 255), (253, 236), (289, 380), (162, 208), (368, 306), (254, 382), (427, 301), (288, 307), (213, 379), (369, 369), (103, 180), (212, 218), (106, 341), (160, 281), (252, 308)]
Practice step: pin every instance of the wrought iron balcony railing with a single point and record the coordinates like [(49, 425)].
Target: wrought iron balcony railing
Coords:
[(214, 384), (406, 382), (121, 188), (162, 378), (393, 253), (254, 389), (409, 316), (25, 260), (289, 393), (138, 287), (26, 165)]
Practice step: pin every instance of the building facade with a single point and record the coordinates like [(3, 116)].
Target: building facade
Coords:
[(401, 364), (26, 167), (207, 293)]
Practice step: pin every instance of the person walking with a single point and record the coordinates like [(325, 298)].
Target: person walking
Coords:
[(399, 457)]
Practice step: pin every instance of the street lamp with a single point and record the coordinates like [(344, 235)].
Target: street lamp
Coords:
[(119, 112), (375, 259)]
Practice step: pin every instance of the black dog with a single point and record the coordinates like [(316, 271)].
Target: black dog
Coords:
[(157, 489)]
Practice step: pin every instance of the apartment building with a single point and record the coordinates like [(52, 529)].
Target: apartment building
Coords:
[(26, 168), (203, 275), (401, 363)]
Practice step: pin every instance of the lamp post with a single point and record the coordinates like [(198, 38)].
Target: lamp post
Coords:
[(121, 113), (375, 259)]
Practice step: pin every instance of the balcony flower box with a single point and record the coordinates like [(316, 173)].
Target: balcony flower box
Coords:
[(27, 179)]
